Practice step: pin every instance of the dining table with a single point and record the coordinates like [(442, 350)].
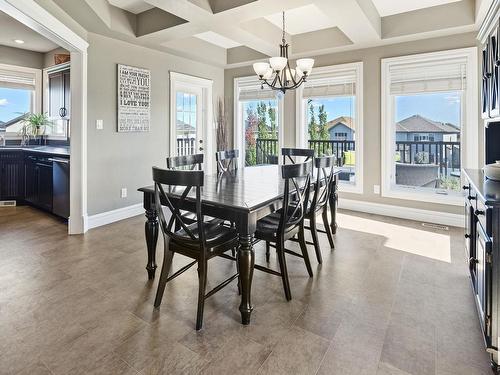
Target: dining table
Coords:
[(241, 196)]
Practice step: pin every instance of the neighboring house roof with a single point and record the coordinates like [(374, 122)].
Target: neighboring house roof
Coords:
[(182, 126), (420, 124), (10, 124), (342, 120)]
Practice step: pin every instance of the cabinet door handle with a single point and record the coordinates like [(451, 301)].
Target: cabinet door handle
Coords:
[(471, 198), (479, 212), (467, 235), (466, 187)]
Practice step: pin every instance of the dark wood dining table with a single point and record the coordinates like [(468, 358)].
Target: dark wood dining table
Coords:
[(242, 196)]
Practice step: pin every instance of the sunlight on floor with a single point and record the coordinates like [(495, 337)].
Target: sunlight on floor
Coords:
[(399, 237)]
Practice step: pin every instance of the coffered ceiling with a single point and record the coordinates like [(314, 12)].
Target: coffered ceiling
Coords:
[(237, 32)]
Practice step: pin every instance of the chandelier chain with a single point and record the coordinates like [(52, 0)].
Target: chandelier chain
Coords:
[(283, 39)]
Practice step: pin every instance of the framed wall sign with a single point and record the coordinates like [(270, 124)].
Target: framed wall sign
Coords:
[(134, 99)]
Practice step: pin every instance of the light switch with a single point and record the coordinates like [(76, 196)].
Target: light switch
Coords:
[(123, 193), (99, 124)]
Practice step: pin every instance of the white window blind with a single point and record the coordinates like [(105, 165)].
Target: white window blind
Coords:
[(340, 83), (17, 80), (431, 76), (252, 90)]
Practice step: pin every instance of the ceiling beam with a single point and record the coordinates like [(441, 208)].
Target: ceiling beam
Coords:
[(358, 19)]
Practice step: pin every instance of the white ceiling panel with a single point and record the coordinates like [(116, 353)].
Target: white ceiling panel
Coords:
[(10, 30), (132, 6), (217, 39), (390, 7), (302, 20)]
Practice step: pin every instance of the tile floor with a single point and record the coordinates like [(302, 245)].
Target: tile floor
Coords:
[(393, 298)]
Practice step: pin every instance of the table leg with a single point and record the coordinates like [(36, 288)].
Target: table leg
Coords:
[(333, 205), (246, 261), (151, 232)]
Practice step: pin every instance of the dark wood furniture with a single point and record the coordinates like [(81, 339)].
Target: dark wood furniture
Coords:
[(200, 240), (242, 197), (323, 189), (36, 176), (286, 223), (291, 153), (188, 161), (226, 160), (482, 245)]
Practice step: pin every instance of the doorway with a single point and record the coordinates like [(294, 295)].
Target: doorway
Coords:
[(191, 130), (39, 20)]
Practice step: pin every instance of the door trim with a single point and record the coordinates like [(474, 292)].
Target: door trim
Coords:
[(206, 86), (41, 21)]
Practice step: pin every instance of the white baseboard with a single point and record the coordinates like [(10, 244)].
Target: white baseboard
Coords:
[(109, 217), (436, 217)]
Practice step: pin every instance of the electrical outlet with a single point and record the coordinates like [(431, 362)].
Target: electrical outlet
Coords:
[(99, 124), (376, 189), (124, 193)]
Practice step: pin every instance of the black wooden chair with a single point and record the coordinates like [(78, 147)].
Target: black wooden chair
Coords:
[(291, 153), (287, 222), (201, 241), (226, 160), (323, 188), (190, 162)]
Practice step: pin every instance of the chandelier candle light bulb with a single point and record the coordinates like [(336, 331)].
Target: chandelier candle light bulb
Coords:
[(277, 74)]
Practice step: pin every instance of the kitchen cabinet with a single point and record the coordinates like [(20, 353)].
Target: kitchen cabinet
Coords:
[(59, 107), (482, 245), (11, 175), (38, 187)]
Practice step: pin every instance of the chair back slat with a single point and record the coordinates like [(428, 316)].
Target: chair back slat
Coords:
[(324, 181), (177, 179), (295, 199), (290, 153), (226, 160), (190, 162)]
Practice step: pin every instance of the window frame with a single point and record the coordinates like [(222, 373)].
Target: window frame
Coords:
[(36, 96), (301, 119), (238, 138), (468, 135)]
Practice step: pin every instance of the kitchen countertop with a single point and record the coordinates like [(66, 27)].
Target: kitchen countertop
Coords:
[(488, 190), (50, 150)]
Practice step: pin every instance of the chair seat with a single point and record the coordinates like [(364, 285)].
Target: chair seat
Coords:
[(267, 228), (218, 236)]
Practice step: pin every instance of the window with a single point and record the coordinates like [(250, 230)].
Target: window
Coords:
[(186, 123), (19, 91), (329, 107), (428, 107), (257, 118)]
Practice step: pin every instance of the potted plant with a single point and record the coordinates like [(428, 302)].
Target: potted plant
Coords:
[(34, 125)]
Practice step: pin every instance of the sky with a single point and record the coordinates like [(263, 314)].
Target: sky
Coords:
[(13, 103), (443, 107)]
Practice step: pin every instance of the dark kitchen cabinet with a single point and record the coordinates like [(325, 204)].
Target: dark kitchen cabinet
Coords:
[(482, 244), (59, 98), (11, 175), (485, 82), (38, 187)]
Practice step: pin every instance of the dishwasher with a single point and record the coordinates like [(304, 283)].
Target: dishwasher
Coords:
[(60, 186)]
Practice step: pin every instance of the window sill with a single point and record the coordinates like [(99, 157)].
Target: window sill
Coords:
[(453, 199)]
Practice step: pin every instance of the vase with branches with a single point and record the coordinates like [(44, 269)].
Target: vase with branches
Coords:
[(221, 123)]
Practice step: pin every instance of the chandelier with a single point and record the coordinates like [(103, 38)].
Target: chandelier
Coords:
[(277, 74)]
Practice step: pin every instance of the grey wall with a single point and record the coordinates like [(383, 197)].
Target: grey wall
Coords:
[(21, 57), (371, 58), (117, 160), (48, 58)]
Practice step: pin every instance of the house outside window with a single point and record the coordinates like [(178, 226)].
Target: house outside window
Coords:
[(330, 119), (20, 93), (428, 109)]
